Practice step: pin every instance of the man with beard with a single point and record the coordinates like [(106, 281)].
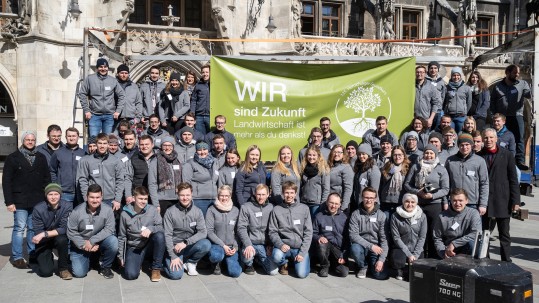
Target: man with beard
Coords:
[(329, 137)]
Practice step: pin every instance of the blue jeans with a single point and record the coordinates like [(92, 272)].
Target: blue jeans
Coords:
[(217, 254), (437, 119), (261, 258), (203, 123), (313, 209), (134, 256), (80, 259), (457, 122), (22, 219), (192, 254), (69, 197), (364, 257), (203, 204), (100, 124), (281, 258)]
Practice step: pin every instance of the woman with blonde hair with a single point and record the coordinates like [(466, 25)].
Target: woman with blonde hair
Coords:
[(251, 173), (341, 175), (285, 169), (315, 179)]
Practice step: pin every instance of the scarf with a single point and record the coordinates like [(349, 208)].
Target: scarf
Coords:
[(455, 85), (153, 92), (223, 207), (151, 132), (415, 214), (206, 162), (168, 177), (426, 169), (475, 90), (190, 89), (395, 185), (310, 170), (29, 155), (175, 91)]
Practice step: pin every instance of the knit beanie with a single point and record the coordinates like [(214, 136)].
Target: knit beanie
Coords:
[(92, 140), (432, 148), (202, 145), (436, 135), (465, 138), (168, 139), (122, 68), (53, 187), (26, 133), (176, 76), (431, 63), (365, 148), (457, 69), (186, 129), (413, 134), (386, 139), (352, 143), (102, 61)]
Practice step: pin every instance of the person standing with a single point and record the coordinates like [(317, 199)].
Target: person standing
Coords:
[(173, 105), (504, 191), (149, 92), (508, 99), (54, 142), (427, 98), (102, 99), (480, 99), (330, 138), (24, 177), (136, 172), (132, 110), (373, 136), (220, 123), (458, 99), (200, 101), (251, 173), (436, 80)]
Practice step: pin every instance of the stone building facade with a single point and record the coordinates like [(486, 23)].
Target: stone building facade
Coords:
[(41, 45)]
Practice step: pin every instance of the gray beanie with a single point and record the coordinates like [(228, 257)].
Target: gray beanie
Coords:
[(433, 63), (457, 69), (436, 135), (431, 147), (168, 139), (412, 133), (187, 129), (26, 133), (365, 148)]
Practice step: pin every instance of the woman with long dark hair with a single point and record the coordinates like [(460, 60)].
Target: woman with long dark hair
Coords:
[(173, 104), (480, 99), (341, 176), (366, 174)]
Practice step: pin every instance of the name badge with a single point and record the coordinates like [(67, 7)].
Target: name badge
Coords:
[(455, 226), (77, 158), (372, 219), (329, 228), (192, 224), (233, 174), (169, 96), (451, 93), (297, 222), (503, 144), (95, 172), (89, 227), (107, 87), (143, 228), (175, 167), (514, 91), (414, 222), (158, 141), (124, 159), (363, 181), (258, 214), (470, 173), (434, 83), (217, 173), (232, 222)]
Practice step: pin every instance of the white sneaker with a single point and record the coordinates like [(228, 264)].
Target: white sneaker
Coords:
[(362, 273), (191, 269)]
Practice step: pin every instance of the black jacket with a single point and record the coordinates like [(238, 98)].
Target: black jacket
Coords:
[(24, 184)]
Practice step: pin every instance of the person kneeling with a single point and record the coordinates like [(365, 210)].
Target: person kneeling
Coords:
[(141, 228), (291, 232), (454, 231), (91, 229), (368, 237), (185, 235), (49, 220)]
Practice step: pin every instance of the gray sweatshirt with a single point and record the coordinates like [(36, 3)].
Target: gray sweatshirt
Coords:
[(183, 224), (227, 174), (409, 234), (277, 180), (469, 173), (457, 228), (97, 95), (291, 224), (315, 191), (368, 229), (222, 226), (438, 178), (185, 151), (106, 170), (509, 99), (203, 180), (133, 101), (82, 225), (149, 92), (342, 182), (253, 221), (132, 224), (427, 100)]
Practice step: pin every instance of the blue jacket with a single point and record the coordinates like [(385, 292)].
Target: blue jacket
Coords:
[(247, 182), (45, 218), (63, 167), (200, 99), (334, 228)]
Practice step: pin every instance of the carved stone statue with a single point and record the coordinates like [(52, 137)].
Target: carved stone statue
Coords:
[(297, 8), (469, 42), (468, 15)]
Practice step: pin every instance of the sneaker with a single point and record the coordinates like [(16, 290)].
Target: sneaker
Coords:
[(156, 275), (400, 275), (324, 271), (217, 269), (20, 264), (191, 269), (65, 275), (362, 273), (107, 273), (283, 269), (249, 270)]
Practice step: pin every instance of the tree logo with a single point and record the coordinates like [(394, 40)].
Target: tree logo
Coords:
[(366, 100)]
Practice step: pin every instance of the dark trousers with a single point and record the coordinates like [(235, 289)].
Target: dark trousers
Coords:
[(398, 259), (432, 211), (503, 234), (45, 259), (134, 256), (329, 254), (516, 125)]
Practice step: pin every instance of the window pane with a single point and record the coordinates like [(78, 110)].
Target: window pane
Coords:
[(193, 13), (308, 9), (307, 26), (139, 15)]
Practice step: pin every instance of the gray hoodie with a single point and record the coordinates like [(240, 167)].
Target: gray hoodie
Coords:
[(457, 228), (133, 101), (132, 224), (183, 224), (253, 221), (368, 229), (469, 173), (97, 95), (427, 100), (277, 180), (106, 170), (315, 191), (203, 180), (342, 182), (149, 91), (82, 225), (227, 174), (222, 226), (185, 151), (291, 224), (409, 234)]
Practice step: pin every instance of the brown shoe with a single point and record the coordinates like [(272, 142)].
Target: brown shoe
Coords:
[(65, 275), (156, 275), (20, 264), (283, 269)]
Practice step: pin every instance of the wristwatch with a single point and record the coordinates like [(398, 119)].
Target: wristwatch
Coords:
[(46, 234)]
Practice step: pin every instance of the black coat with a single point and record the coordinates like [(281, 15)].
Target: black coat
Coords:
[(504, 191), (24, 184)]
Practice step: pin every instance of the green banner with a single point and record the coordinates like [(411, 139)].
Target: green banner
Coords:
[(272, 104)]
